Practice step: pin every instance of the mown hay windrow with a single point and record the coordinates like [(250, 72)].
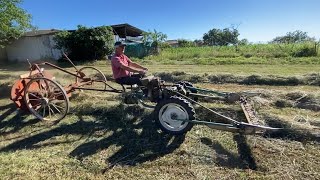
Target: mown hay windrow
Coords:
[(292, 99), (224, 78), (308, 79), (271, 80)]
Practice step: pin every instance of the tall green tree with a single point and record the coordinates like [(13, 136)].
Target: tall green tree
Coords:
[(14, 21), (243, 42), (293, 37), (156, 39), (155, 36), (221, 37), (185, 43)]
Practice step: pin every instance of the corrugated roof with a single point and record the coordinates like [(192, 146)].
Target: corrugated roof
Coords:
[(172, 41), (122, 30), (40, 32)]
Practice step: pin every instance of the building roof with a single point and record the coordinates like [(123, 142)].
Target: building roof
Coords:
[(40, 32), (172, 41), (122, 30)]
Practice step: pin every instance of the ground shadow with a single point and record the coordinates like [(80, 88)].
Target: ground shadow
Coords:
[(8, 109), (5, 90), (131, 127), (243, 160), (15, 66), (288, 133), (14, 123), (135, 132)]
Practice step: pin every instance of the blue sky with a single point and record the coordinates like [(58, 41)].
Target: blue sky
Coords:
[(257, 20)]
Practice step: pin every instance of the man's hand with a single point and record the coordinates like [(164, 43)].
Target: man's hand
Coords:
[(143, 72)]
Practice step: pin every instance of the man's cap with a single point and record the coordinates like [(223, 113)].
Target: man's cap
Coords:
[(119, 43)]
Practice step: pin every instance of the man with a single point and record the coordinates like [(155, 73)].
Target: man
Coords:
[(123, 68)]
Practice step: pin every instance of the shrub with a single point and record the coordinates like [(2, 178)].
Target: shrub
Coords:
[(186, 43), (304, 52), (86, 43)]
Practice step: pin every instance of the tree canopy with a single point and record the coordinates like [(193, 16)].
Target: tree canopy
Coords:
[(293, 37), (221, 37), (14, 21), (155, 36)]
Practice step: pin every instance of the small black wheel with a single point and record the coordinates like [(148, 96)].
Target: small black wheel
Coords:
[(170, 113)]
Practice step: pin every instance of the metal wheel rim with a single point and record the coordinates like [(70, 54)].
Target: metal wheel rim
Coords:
[(165, 117), (45, 104), (103, 77)]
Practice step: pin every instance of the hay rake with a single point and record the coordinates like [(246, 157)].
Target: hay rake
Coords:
[(173, 104)]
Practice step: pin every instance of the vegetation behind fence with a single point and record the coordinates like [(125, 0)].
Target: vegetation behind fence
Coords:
[(297, 53)]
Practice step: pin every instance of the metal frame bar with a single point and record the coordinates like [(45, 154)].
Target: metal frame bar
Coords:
[(208, 91), (234, 126), (36, 66)]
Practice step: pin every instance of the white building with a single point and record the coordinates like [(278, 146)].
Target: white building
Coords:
[(39, 45), (35, 45)]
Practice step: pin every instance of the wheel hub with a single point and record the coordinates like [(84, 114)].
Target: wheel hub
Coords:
[(173, 116), (44, 102)]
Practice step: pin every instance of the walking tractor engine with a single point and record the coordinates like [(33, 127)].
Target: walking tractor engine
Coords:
[(175, 112), (152, 87)]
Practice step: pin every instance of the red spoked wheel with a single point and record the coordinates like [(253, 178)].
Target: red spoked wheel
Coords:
[(92, 78), (46, 100)]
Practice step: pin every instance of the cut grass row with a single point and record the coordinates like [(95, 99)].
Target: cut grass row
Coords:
[(103, 139)]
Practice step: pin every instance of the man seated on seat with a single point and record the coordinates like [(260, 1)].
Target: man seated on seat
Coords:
[(123, 68)]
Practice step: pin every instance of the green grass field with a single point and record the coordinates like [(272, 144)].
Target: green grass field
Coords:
[(274, 54), (101, 138)]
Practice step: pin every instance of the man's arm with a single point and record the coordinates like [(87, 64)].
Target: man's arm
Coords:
[(136, 65), (132, 69)]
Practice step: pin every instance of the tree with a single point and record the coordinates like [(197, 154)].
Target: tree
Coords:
[(14, 21), (155, 38), (243, 42), (86, 43), (293, 37), (218, 37), (198, 42), (185, 43)]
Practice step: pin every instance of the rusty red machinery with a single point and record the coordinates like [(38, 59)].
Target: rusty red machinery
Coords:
[(38, 92)]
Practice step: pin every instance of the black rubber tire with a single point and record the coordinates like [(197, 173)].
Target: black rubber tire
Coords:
[(182, 104)]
